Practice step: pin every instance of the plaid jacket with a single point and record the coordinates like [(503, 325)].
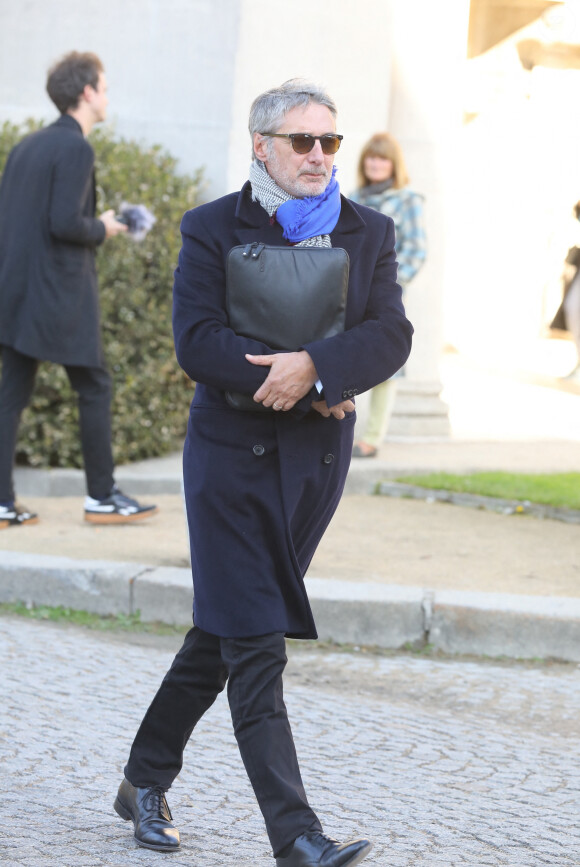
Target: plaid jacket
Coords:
[(406, 209)]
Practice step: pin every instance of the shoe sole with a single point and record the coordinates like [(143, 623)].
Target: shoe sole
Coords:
[(111, 518), (125, 814), (5, 524)]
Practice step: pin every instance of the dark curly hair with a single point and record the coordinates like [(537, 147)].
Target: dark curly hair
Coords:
[(69, 76)]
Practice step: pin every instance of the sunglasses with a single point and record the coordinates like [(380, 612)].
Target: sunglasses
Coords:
[(303, 142)]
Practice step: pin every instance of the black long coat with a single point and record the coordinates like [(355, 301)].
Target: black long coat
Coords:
[(49, 304), (261, 488)]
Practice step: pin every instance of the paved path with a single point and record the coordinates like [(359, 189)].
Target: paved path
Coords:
[(370, 539), (440, 763)]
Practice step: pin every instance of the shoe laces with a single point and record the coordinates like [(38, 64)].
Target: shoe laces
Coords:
[(121, 499), (155, 800), (328, 841)]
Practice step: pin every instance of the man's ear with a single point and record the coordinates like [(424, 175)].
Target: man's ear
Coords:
[(260, 146), (87, 94)]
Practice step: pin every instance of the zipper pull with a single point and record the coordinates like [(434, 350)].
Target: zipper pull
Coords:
[(258, 250)]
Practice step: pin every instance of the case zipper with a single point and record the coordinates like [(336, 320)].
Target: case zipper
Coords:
[(253, 250)]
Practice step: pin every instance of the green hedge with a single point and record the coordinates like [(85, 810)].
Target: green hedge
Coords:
[(151, 393)]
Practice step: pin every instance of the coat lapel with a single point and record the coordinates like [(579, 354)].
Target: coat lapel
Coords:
[(349, 231), (255, 222)]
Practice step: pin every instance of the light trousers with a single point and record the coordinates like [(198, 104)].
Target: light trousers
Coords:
[(382, 401), (572, 311)]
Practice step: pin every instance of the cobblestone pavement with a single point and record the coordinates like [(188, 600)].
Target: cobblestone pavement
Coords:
[(440, 762)]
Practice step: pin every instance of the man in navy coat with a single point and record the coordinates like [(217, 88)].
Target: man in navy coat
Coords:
[(49, 301), (262, 486)]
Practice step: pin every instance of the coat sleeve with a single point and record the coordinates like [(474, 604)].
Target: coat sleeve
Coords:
[(207, 349), (377, 341), (71, 189)]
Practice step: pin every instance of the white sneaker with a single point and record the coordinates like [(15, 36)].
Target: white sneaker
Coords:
[(15, 516), (116, 509)]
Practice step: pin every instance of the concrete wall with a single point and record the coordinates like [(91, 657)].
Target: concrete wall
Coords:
[(517, 177), (183, 73), (170, 66), (324, 41), (425, 115)]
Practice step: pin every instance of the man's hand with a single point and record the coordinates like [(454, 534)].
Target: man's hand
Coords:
[(292, 375), (339, 410), (112, 225)]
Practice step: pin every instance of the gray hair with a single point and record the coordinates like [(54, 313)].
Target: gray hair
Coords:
[(269, 109)]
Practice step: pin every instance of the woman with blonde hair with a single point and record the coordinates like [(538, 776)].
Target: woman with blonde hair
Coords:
[(383, 185)]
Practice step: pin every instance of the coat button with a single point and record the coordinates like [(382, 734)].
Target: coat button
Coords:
[(327, 459), (345, 394), (258, 450)]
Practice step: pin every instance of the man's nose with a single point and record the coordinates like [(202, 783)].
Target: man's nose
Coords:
[(316, 155)]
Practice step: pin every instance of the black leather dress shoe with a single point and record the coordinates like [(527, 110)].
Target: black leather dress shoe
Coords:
[(315, 849), (151, 816)]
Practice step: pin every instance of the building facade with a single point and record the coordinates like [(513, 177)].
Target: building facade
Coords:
[(444, 78)]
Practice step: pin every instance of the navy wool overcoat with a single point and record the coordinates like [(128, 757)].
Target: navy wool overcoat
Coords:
[(260, 487)]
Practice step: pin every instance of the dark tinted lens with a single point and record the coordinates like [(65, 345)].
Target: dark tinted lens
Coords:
[(329, 143), (302, 142)]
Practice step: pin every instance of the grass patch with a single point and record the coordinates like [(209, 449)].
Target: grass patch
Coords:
[(103, 623), (554, 489)]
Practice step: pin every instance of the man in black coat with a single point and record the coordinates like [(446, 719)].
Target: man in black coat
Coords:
[(262, 484), (49, 302)]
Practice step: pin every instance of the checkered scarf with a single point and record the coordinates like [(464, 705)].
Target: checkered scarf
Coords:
[(266, 191)]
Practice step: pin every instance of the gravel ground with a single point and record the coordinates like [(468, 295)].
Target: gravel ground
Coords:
[(439, 762)]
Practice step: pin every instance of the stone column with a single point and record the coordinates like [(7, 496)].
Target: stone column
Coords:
[(429, 51)]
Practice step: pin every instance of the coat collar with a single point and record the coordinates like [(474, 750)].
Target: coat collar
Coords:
[(255, 222), (256, 225), (68, 121)]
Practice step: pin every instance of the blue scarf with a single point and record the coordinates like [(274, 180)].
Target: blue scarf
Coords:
[(313, 215)]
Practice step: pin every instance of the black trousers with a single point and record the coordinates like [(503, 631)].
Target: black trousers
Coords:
[(93, 387), (252, 668)]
